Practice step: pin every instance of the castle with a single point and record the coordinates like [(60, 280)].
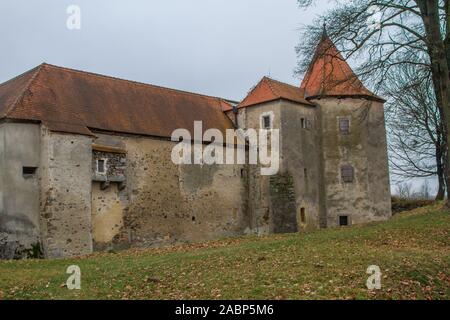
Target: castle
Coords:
[(85, 161)]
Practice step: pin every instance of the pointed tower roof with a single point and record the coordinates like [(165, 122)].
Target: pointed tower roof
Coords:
[(330, 75)]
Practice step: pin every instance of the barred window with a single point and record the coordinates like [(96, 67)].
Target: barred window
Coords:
[(344, 125), (347, 173)]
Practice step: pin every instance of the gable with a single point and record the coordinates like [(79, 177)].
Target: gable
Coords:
[(269, 90)]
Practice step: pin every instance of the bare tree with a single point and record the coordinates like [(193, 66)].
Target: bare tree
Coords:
[(404, 190), (425, 191), (416, 131), (387, 33)]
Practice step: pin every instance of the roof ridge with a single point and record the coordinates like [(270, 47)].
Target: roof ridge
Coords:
[(20, 75), (283, 83), (138, 83), (268, 80), (37, 71)]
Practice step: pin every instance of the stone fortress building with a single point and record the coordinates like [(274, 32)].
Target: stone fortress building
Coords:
[(85, 161)]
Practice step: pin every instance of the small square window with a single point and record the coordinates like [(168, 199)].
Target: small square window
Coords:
[(266, 122), (344, 125), (343, 221), (101, 166), (347, 173), (28, 172)]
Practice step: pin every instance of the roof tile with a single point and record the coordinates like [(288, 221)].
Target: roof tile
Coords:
[(330, 75), (75, 101), (269, 90)]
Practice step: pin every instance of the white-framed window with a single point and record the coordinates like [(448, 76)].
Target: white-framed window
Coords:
[(266, 120), (101, 166)]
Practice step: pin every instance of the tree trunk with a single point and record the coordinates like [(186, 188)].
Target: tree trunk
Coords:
[(438, 56), (440, 173)]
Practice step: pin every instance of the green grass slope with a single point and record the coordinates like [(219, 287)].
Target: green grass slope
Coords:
[(412, 250)]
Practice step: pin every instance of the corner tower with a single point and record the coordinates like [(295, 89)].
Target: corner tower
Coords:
[(354, 165)]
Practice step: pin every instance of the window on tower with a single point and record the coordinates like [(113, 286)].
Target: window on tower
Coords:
[(267, 120), (347, 173), (344, 125)]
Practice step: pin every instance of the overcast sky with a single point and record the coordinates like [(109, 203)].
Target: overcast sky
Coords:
[(215, 47)]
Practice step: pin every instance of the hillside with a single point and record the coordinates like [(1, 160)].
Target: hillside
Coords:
[(412, 250)]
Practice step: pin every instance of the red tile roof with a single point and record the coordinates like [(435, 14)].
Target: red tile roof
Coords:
[(269, 90), (330, 75), (74, 101)]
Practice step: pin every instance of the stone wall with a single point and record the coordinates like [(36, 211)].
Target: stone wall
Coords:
[(66, 194), (283, 204), (299, 160), (260, 208), (115, 164), (144, 199), (301, 156), (165, 203)]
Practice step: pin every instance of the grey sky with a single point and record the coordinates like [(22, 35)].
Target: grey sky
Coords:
[(215, 47)]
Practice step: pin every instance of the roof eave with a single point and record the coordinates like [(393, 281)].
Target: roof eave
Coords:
[(348, 96), (306, 103)]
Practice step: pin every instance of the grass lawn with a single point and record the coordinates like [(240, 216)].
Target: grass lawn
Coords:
[(412, 250)]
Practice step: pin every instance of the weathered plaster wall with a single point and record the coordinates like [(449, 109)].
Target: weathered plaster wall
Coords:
[(166, 203), (66, 194), (107, 214), (379, 182), (239, 119), (367, 198), (282, 204), (301, 154), (19, 194), (152, 201), (260, 206), (276, 205)]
